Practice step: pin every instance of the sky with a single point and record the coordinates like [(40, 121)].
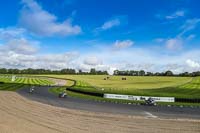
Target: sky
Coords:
[(153, 35)]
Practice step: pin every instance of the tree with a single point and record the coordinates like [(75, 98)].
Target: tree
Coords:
[(92, 71), (195, 73), (149, 74), (141, 73), (3, 70), (169, 73), (80, 71)]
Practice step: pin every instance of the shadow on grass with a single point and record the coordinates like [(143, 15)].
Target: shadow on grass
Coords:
[(14, 86)]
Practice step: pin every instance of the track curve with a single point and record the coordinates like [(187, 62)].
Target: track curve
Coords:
[(42, 94)]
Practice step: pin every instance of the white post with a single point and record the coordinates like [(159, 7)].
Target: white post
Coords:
[(13, 78)]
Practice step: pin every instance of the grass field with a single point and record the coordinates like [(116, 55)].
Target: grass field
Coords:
[(179, 87), (20, 82), (132, 82)]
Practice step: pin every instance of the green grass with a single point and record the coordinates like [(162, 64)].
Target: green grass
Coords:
[(21, 82), (132, 82), (179, 87), (11, 86)]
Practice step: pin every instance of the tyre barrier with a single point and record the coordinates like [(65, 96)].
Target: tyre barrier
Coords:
[(187, 100), (85, 92), (184, 100)]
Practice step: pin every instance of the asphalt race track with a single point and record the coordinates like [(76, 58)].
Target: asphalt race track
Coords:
[(41, 94)]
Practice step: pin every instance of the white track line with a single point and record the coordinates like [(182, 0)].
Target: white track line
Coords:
[(150, 115)]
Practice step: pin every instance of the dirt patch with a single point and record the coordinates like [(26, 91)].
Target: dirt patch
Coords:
[(20, 115), (58, 82)]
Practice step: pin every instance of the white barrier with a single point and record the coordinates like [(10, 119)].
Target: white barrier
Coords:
[(137, 98)]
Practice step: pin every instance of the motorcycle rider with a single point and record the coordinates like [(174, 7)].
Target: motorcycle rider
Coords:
[(31, 89)]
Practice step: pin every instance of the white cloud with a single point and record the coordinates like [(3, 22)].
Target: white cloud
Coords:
[(177, 14), (92, 60), (110, 24), (58, 58), (20, 46), (24, 53), (122, 44), (40, 22), (174, 44), (102, 67), (177, 42), (10, 33), (189, 25), (56, 61), (148, 59), (13, 59), (113, 22), (20, 53), (192, 63), (127, 59), (176, 68)]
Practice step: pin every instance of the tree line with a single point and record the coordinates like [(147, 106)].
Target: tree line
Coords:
[(48, 71), (93, 71), (143, 73)]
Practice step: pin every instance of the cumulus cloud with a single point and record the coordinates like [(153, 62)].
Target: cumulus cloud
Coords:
[(176, 68), (118, 45), (12, 57), (93, 61), (56, 58), (192, 63), (176, 14), (103, 67), (19, 52), (174, 44), (56, 61), (24, 53), (40, 22), (21, 46)]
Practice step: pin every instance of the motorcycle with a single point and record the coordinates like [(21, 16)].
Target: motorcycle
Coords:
[(150, 101), (62, 95), (31, 90)]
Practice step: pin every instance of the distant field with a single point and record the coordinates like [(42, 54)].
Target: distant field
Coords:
[(19, 82), (132, 82), (179, 87)]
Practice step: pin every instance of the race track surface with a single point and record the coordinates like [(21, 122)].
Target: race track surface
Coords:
[(42, 95)]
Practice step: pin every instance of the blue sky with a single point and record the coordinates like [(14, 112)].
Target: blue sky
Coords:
[(155, 35)]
